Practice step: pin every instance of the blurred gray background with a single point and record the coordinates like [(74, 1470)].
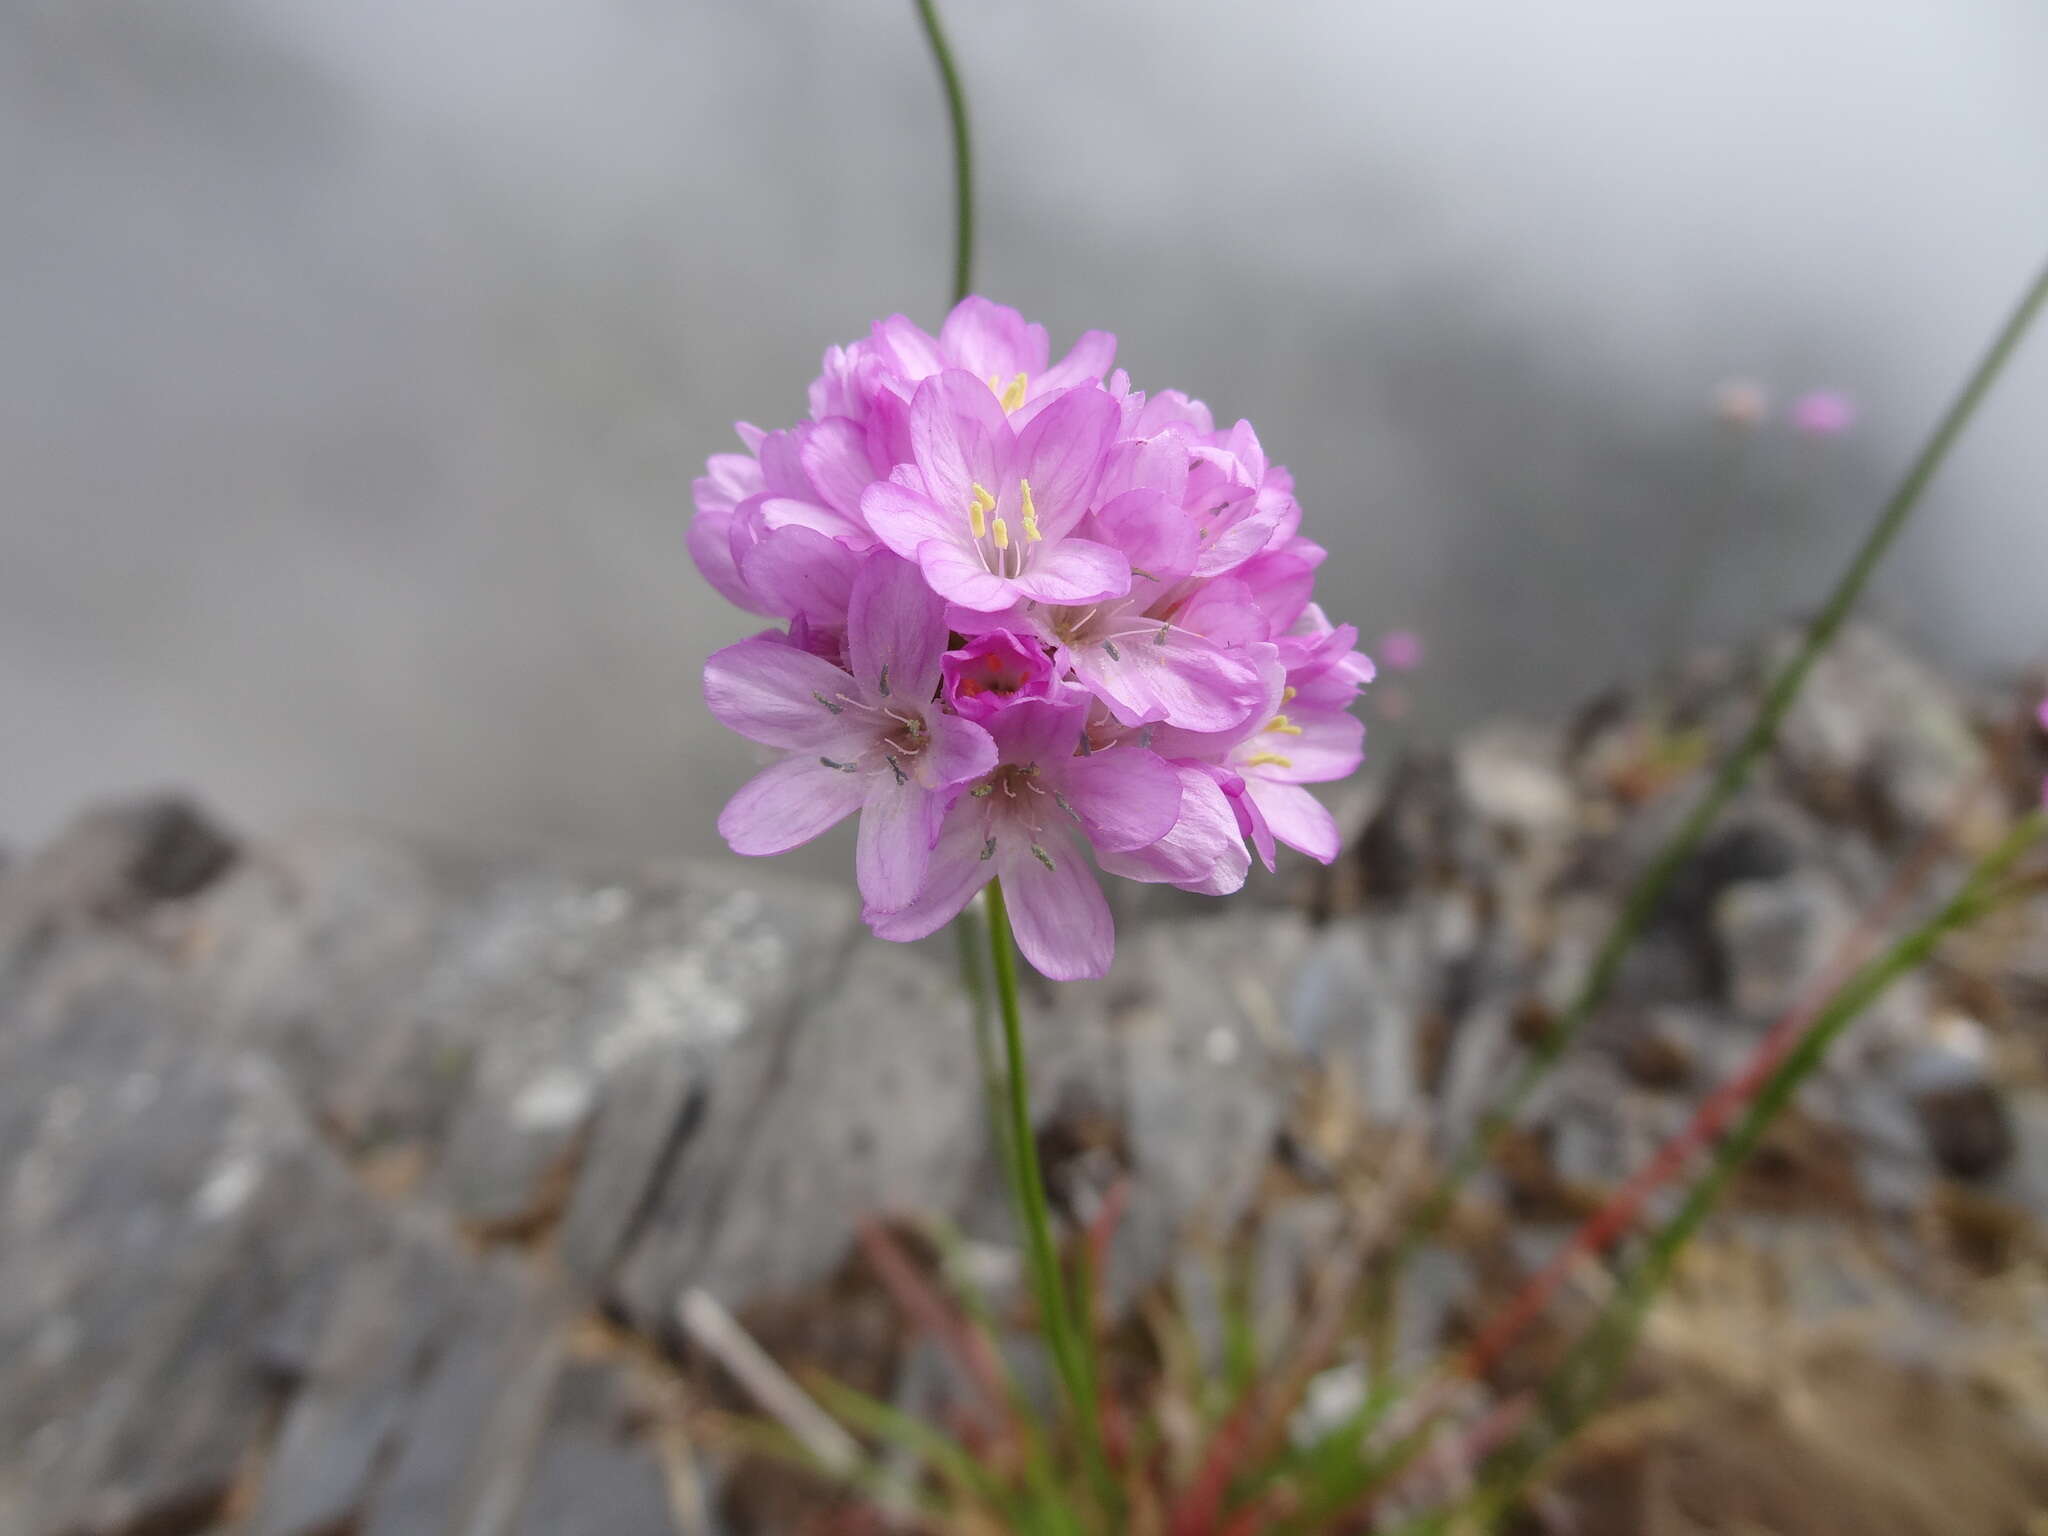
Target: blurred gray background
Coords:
[(355, 359)]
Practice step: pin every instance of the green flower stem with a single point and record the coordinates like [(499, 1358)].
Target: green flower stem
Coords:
[(1586, 1375), (963, 152), (1649, 890), (1072, 1351)]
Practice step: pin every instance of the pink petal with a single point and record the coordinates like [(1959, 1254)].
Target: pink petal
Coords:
[(956, 573), (1203, 852), (1330, 746), (1179, 678), (898, 825), (834, 454), (1061, 454), (895, 631), (788, 805), (710, 544), (957, 870), (904, 343), (1091, 356), (991, 340), (903, 519), (1296, 817), (956, 751), (777, 695), (960, 439), (799, 571), (1061, 921), (1042, 731), (1153, 534), (1125, 797), (1073, 571)]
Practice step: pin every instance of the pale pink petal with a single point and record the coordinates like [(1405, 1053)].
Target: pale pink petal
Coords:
[(834, 453), (899, 822), (993, 341), (1061, 454), (957, 574), (960, 439), (1085, 363), (1124, 797), (1296, 817), (1042, 731), (1157, 463), (1154, 535), (1166, 674), (1056, 907), (709, 541), (956, 751), (903, 519), (788, 805), (1202, 852), (778, 695), (956, 872), (799, 571), (1330, 746), (895, 631), (1073, 571), (906, 345)]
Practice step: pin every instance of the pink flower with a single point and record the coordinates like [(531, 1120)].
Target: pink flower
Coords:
[(1030, 821), (1823, 413), (1139, 676), (995, 670), (1400, 650), (989, 513), (867, 738)]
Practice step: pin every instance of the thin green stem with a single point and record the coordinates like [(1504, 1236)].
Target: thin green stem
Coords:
[(1071, 1351), (1590, 1370), (1734, 773), (963, 151)]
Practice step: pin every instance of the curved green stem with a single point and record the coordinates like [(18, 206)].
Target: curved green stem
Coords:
[(1649, 890), (963, 152)]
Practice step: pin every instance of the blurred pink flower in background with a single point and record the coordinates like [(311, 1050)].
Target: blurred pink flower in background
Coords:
[(1399, 650), (1741, 403), (1823, 413)]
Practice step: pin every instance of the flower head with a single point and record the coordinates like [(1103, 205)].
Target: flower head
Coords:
[(1823, 413), (1033, 618)]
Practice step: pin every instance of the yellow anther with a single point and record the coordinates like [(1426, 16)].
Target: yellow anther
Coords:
[(1002, 534), (982, 499), (977, 524), (1262, 759), (1289, 694), (1283, 725), (1014, 395), (1031, 533)]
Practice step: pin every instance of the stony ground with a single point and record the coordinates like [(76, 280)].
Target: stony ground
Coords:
[(350, 1184)]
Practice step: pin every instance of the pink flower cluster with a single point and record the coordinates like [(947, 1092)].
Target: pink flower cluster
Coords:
[(1028, 616)]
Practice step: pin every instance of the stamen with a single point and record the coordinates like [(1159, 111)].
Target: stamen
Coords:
[(1114, 653), (1283, 725), (1160, 637), (1262, 759), (841, 767), (1042, 856), (988, 849), (1289, 695), (1060, 800), (982, 497), (982, 791), (896, 768), (1031, 533), (976, 523), (837, 709), (882, 683), (1002, 534), (1014, 395)]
